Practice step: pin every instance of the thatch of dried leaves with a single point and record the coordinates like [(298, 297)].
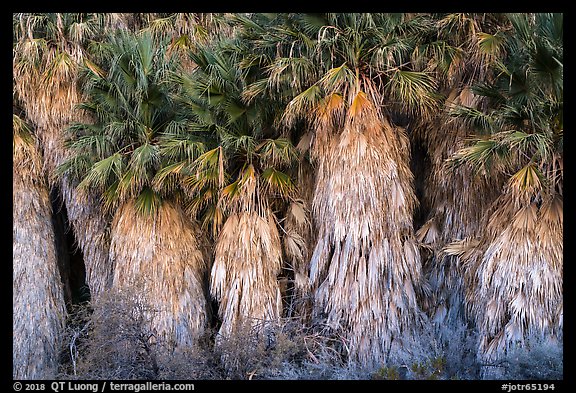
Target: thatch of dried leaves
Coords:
[(163, 253), (366, 266), (247, 261)]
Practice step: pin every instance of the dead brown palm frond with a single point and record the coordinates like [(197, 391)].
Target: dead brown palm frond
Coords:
[(515, 292), (461, 248), (247, 261), (365, 268), (38, 297), (164, 252), (457, 198), (298, 242), (247, 257)]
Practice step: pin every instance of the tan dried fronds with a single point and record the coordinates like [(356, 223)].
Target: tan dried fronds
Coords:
[(247, 261), (164, 252), (25, 151), (365, 268), (515, 277), (45, 82), (458, 198), (37, 293), (247, 257), (298, 241)]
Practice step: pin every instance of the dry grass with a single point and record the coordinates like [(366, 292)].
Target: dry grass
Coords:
[(38, 295), (115, 341), (112, 339), (164, 253)]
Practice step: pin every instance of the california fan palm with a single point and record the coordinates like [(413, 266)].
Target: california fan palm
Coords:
[(515, 292), (155, 246), (459, 50), (234, 186), (49, 50), (344, 73)]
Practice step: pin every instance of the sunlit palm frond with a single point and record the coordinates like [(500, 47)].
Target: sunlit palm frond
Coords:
[(301, 105)]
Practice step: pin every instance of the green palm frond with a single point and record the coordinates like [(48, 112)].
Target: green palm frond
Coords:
[(302, 105), (232, 190), (482, 156), (148, 202), (167, 179), (276, 181), (438, 55), (128, 87), (491, 91), (530, 143), (177, 146), (145, 158), (144, 161), (255, 90), (337, 79), (416, 89), (212, 162), (160, 26), (98, 144), (490, 45), (103, 172), (312, 23), (233, 111), (289, 71), (238, 142), (278, 151), (481, 122)]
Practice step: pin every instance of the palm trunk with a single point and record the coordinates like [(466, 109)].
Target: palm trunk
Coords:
[(160, 256), (93, 236), (37, 292), (50, 108)]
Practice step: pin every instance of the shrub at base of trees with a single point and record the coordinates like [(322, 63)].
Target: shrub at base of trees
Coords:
[(114, 339)]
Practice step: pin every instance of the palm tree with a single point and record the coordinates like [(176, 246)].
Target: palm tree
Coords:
[(299, 239), (37, 293), (234, 186), (514, 273), (459, 51), (48, 51), (342, 76), (120, 157)]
